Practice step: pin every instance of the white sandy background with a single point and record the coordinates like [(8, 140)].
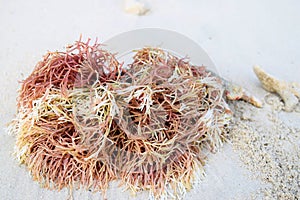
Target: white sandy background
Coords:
[(236, 35)]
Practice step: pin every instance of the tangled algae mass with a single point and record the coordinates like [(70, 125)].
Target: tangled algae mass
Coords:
[(84, 119)]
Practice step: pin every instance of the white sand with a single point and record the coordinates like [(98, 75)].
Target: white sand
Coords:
[(236, 34)]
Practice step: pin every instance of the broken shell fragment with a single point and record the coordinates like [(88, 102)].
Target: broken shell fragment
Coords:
[(236, 92)]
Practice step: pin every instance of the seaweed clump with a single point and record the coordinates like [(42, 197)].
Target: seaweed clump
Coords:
[(84, 120)]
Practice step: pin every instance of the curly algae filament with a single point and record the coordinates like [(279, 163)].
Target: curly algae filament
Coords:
[(83, 121)]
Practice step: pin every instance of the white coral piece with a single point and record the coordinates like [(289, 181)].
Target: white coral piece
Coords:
[(287, 91)]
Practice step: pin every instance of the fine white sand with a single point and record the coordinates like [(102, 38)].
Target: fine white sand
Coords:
[(236, 35)]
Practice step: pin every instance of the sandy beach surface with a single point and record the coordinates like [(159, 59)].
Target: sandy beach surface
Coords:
[(262, 159)]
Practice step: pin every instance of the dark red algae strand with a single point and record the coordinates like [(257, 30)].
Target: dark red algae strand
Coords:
[(84, 121)]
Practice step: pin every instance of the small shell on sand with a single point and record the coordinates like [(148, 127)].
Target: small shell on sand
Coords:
[(135, 7), (287, 91), (236, 92)]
